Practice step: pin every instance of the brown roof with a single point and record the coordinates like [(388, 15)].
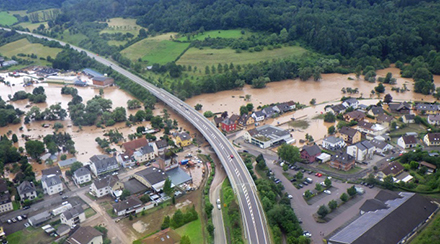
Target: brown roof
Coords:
[(356, 115), (428, 165), (234, 118), (83, 235), (365, 124), (131, 146), (434, 137), (409, 139), (128, 203), (393, 168), (167, 236), (384, 118), (348, 131)]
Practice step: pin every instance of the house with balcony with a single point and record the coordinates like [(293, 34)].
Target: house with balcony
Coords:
[(183, 139), (342, 161), (351, 102), (108, 185), (434, 119), (427, 108), (361, 151), (127, 206), (5, 197), (73, 216), (310, 153), (407, 141), (350, 135), (145, 153), (336, 109), (27, 190), (354, 116), (245, 120), (85, 235), (258, 116), (82, 176), (333, 143), (102, 164)]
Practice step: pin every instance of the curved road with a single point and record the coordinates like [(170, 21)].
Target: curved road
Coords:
[(254, 222)]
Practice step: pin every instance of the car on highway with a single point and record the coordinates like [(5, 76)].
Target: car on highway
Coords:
[(218, 201), (219, 206), (327, 192), (232, 156)]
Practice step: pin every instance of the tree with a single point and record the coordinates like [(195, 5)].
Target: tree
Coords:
[(145, 198), (380, 88), (388, 98), (261, 162), (166, 223), (14, 138), (358, 71), (167, 187), (423, 74), (329, 117), (344, 197), (351, 191), (285, 167), (331, 130), (299, 175), (185, 240), (305, 73), (289, 153), (328, 182), (388, 182), (322, 211), (34, 148), (133, 104), (313, 101), (208, 114), (243, 110), (250, 107), (308, 194), (260, 82), (332, 205), (125, 193), (318, 187), (198, 106), (63, 157)]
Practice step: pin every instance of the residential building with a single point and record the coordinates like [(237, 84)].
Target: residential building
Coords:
[(52, 171), (161, 145), (183, 139), (371, 130), (81, 176), (393, 168), (341, 161), (258, 116), (127, 206), (426, 108), (432, 139), (40, 218), (73, 216), (434, 119), (63, 230), (431, 168), (266, 136), (85, 235), (333, 143), (152, 177), (166, 236), (361, 151), (381, 146), (283, 107), (402, 108), (245, 120), (375, 111), (336, 109), (166, 161), (228, 125), (384, 120), (350, 135), (102, 164), (234, 118), (408, 118), (407, 141), (131, 146), (108, 185), (405, 213), (27, 190), (5, 197), (51, 184), (351, 102), (309, 153), (354, 116), (269, 112), (291, 105), (217, 121), (66, 163), (145, 153)]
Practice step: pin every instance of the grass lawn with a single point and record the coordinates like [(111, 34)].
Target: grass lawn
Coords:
[(193, 231), (231, 214), (430, 234), (208, 56), (419, 128), (218, 33), (16, 205), (32, 26), (7, 19), (89, 212), (154, 51), (74, 39), (121, 25), (351, 171), (29, 235), (24, 46)]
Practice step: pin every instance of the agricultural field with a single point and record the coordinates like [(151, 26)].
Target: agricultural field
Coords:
[(218, 33), (7, 18), (24, 46), (207, 56), (121, 25), (32, 26), (155, 51), (193, 231), (74, 39)]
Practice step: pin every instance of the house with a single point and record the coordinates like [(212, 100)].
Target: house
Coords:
[(351, 102), (266, 136), (66, 163), (73, 216), (426, 108), (361, 151), (258, 116), (375, 111), (130, 147), (217, 121), (234, 118), (354, 116), (152, 177), (381, 146), (161, 145), (434, 119), (127, 206), (402, 108), (407, 141), (431, 168), (145, 153), (393, 169), (384, 120), (291, 105), (282, 108), (341, 161), (350, 135), (108, 185), (166, 236), (103, 81), (85, 235), (336, 109), (102, 164), (52, 171), (309, 153), (371, 130), (40, 218), (81, 176), (183, 139), (51, 184), (394, 220), (432, 139), (5, 197), (269, 112), (166, 160), (228, 125), (333, 143), (245, 120), (63, 230), (408, 118), (27, 190)]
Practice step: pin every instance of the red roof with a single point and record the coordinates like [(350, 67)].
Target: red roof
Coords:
[(131, 146)]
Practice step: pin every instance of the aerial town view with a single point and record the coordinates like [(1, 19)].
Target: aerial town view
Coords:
[(218, 121)]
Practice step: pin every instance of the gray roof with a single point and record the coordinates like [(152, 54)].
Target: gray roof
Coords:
[(147, 149), (67, 162), (364, 145), (25, 187), (377, 110), (3, 186), (101, 78), (40, 218), (259, 114), (106, 181), (338, 108), (83, 235), (270, 131), (134, 186), (51, 180), (409, 116), (348, 131), (351, 101), (343, 158), (434, 117), (161, 144), (378, 144), (128, 203), (103, 163), (372, 205), (184, 136), (312, 150), (81, 172), (427, 107), (178, 176), (268, 111), (73, 212), (50, 171), (333, 139), (153, 175), (409, 139)]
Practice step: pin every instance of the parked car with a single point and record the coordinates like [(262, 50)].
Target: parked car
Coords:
[(318, 174), (327, 192), (219, 206), (64, 197), (19, 218), (305, 183), (14, 220), (26, 207), (371, 186), (218, 201), (307, 234), (9, 221), (290, 196), (24, 216), (300, 185), (293, 179), (310, 172)]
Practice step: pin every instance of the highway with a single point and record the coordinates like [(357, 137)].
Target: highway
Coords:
[(253, 218)]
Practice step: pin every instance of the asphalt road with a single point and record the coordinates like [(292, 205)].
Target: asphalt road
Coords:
[(255, 224)]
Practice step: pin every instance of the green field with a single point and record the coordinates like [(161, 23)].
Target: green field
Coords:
[(29, 235), (154, 51), (430, 234), (7, 19), (32, 26), (74, 39), (24, 46), (207, 56), (193, 230), (121, 25), (217, 33)]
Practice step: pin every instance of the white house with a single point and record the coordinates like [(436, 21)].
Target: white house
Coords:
[(73, 216), (371, 129), (434, 119), (258, 116), (27, 190), (101, 164), (408, 118), (361, 151), (85, 235), (145, 153), (336, 109), (381, 146), (351, 102), (51, 184), (82, 175), (407, 141), (432, 139), (127, 206), (333, 143), (107, 185)]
